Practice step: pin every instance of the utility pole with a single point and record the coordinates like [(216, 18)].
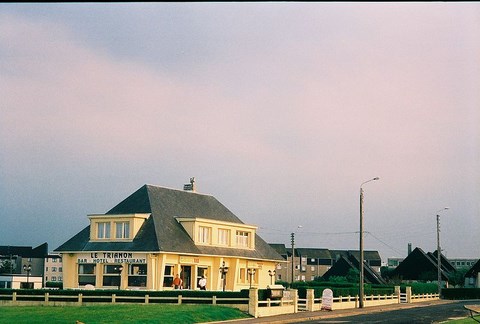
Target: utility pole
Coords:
[(439, 272), (293, 255), (439, 254)]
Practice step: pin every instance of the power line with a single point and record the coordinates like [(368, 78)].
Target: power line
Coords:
[(387, 245)]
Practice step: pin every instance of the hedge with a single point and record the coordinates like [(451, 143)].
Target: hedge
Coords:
[(461, 293)]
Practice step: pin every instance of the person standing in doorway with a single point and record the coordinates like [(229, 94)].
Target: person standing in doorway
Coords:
[(202, 283), (177, 282)]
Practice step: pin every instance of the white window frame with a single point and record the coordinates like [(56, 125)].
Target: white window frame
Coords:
[(223, 236), (122, 230), (204, 234), (103, 230), (243, 238)]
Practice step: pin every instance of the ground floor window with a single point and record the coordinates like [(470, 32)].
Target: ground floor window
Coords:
[(168, 276), (86, 274), (137, 275), (201, 272), (111, 276)]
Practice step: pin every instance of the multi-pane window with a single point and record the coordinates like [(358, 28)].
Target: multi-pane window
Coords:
[(103, 230), (243, 239), (223, 236), (54, 269), (122, 230), (137, 275), (168, 276), (204, 234), (86, 274), (111, 275)]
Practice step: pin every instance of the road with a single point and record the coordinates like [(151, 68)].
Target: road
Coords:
[(435, 313)]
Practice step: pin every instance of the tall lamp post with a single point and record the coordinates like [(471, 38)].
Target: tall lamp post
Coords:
[(27, 269), (224, 270), (271, 274), (439, 253), (360, 283), (119, 270)]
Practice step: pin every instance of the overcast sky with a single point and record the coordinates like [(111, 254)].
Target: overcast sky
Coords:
[(279, 110)]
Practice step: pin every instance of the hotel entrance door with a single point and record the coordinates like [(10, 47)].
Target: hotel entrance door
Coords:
[(186, 276)]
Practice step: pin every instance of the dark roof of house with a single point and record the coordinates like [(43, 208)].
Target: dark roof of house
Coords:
[(367, 255), (418, 264), (162, 232), (314, 253), (280, 248), (346, 262), (473, 270), (40, 251)]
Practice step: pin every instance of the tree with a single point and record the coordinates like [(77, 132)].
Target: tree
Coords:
[(353, 275), (457, 278), (7, 266)]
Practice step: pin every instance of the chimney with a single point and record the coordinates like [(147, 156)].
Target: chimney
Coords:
[(190, 186), (409, 248)]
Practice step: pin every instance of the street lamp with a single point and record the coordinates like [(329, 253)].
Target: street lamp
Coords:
[(119, 270), (439, 253), (27, 269), (360, 283), (271, 274), (251, 272), (224, 270)]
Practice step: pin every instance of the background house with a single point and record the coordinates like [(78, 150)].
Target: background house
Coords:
[(472, 277)]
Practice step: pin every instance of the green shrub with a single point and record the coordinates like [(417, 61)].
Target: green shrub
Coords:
[(461, 293)]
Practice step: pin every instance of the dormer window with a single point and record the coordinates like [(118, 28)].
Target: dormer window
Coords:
[(204, 231), (115, 227), (122, 230), (103, 230), (223, 236), (243, 239), (204, 234)]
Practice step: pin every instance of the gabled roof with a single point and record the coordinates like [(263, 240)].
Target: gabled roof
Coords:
[(346, 262), (162, 232), (444, 262), (314, 253), (474, 270), (367, 255), (418, 264)]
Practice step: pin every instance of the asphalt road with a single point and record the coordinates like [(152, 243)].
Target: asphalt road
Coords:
[(424, 314)]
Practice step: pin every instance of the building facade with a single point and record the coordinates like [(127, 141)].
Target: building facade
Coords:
[(312, 263), (157, 234), (22, 266), (53, 268)]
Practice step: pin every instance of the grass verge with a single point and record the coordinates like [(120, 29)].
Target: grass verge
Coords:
[(119, 314)]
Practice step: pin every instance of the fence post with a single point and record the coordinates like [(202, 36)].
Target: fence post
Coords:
[(14, 297), (113, 298), (147, 299), (295, 300), (397, 293), (80, 298), (310, 299), (214, 300), (179, 299), (409, 294), (253, 302), (46, 298)]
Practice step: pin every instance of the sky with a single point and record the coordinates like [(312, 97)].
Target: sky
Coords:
[(280, 110)]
